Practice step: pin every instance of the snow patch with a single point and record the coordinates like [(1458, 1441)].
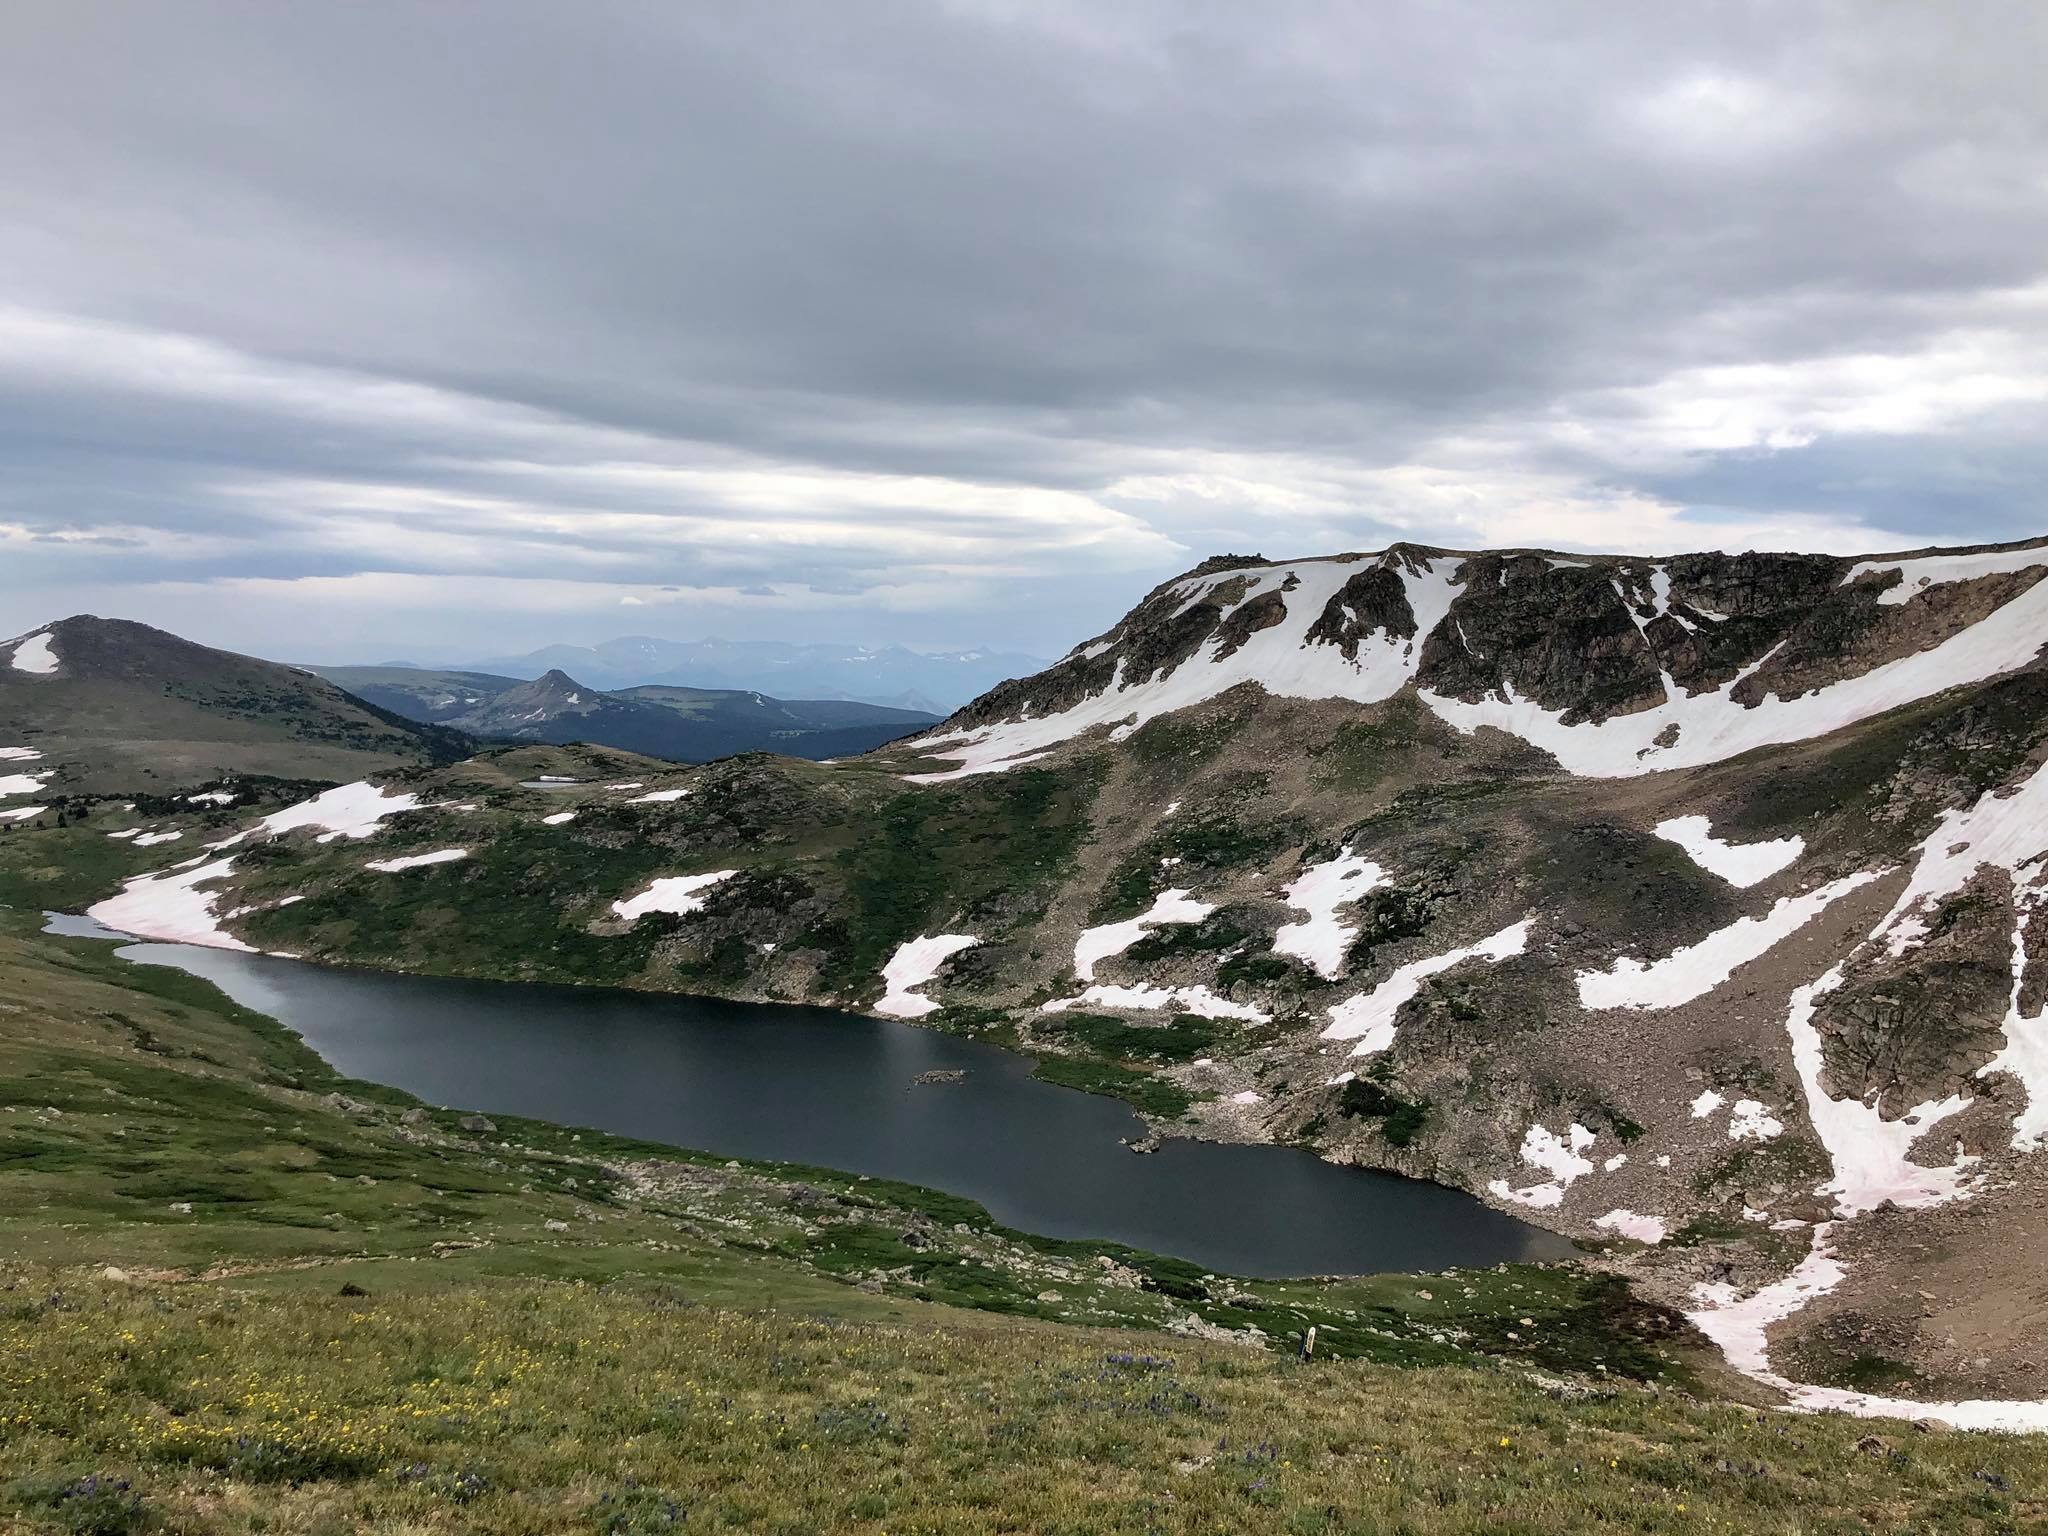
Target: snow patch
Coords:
[(2025, 1052), (1369, 1017), (1199, 1001), (1740, 1324), (2008, 831), (19, 755), (1870, 1153), (417, 860), (22, 783), (558, 819), (1320, 939), (1098, 944), (151, 839), (1644, 1229), (1697, 969), (34, 655), (1248, 1096), (170, 907), (655, 796), (1751, 1120), (1743, 864), (1559, 1156), (1706, 1104), (350, 810), (916, 962), (679, 894), (24, 812)]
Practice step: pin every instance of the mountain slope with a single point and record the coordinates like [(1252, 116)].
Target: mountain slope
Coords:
[(105, 703), (1685, 906), (1616, 666), (416, 692), (893, 676), (690, 725)]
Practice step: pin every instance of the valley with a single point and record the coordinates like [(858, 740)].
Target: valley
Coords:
[(682, 724), (241, 1291), (975, 769), (1343, 856)]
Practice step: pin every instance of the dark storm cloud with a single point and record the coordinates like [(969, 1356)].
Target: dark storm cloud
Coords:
[(965, 301)]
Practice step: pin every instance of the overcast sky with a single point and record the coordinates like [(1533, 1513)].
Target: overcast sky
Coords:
[(348, 331)]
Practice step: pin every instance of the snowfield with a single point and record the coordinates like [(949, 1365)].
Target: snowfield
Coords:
[(1872, 1157), (1917, 575), (916, 962)]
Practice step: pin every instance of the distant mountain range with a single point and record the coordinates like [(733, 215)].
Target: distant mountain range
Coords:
[(894, 676), (691, 725)]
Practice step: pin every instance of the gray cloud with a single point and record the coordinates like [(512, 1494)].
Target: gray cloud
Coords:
[(963, 323)]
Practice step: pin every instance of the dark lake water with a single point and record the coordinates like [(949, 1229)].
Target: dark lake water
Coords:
[(812, 1085)]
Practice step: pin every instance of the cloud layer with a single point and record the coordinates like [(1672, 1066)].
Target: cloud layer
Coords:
[(966, 322)]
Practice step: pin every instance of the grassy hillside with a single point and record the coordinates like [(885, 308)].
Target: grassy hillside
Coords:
[(243, 1294), (329, 1308), (132, 708), (520, 1406)]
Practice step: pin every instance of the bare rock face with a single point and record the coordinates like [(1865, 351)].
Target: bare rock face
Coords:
[(1907, 1030), (1375, 599), (1560, 634)]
